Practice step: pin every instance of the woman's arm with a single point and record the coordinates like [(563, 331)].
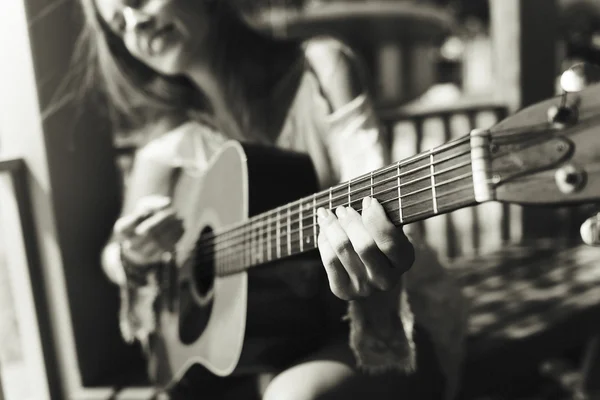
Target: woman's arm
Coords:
[(148, 180), (356, 146), (354, 137), (370, 249), (147, 191)]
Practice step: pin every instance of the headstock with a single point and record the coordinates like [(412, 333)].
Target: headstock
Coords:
[(549, 153)]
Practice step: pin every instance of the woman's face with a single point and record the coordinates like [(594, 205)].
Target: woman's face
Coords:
[(163, 34)]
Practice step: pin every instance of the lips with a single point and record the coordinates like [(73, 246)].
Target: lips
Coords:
[(159, 40)]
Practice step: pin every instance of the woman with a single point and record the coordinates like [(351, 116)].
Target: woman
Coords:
[(197, 65)]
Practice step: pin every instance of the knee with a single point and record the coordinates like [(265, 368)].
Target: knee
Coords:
[(283, 389), (305, 383)]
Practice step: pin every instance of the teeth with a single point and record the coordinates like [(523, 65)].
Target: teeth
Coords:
[(157, 43)]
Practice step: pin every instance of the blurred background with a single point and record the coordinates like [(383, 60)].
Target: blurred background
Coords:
[(438, 68)]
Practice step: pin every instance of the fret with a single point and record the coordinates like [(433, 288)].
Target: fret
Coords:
[(282, 233), (361, 188), (260, 233), (399, 183), (314, 218), (371, 183), (307, 224), (265, 239), (296, 231), (277, 235), (432, 173), (288, 231), (454, 178), (256, 254), (338, 196), (416, 188), (349, 192), (385, 190), (269, 244), (301, 227)]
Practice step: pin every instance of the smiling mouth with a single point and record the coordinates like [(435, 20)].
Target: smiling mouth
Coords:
[(159, 40)]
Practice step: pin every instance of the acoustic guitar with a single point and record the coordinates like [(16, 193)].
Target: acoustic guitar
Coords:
[(256, 206)]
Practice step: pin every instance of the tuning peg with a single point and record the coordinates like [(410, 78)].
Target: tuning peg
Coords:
[(590, 230), (573, 80), (578, 77)]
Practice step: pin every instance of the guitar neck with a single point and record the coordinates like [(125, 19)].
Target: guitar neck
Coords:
[(431, 183)]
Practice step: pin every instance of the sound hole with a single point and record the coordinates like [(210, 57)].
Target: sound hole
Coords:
[(203, 271), (196, 292)]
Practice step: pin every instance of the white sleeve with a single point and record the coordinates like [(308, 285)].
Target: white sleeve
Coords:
[(355, 140)]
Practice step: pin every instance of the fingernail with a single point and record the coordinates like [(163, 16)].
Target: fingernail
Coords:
[(341, 212), (322, 214), (366, 202)]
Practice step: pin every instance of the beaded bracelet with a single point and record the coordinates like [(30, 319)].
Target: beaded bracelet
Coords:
[(136, 274)]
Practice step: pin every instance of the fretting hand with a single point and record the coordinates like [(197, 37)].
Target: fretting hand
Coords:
[(362, 253)]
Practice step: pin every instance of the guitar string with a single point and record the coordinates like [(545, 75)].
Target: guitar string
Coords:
[(393, 166), (273, 229), (243, 225), (259, 252), (363, 178), (235, 254), (234, 247), (233, 262), (274, 217), (382, 171), (324, 198), (508, 131)]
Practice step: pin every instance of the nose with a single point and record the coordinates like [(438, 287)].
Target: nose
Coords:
[(135, 19)]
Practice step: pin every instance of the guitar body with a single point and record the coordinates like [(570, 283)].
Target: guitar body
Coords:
[(207, 320)]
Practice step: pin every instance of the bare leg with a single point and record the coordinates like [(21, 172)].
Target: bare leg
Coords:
[(329, 374)]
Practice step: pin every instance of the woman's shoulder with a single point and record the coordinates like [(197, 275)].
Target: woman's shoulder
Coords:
[(190, 141), (339, 70)]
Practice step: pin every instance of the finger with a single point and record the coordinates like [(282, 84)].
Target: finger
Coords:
[(340, 243), (169, 234), (152, 203), (339, 280), (391, 240), (147, 206), (377, 265), (142, 250), (153, 224), (125, 225)]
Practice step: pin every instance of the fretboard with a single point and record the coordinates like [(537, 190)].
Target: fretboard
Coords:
[(429, 184)]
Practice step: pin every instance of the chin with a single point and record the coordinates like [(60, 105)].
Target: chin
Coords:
[(173, 62)]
